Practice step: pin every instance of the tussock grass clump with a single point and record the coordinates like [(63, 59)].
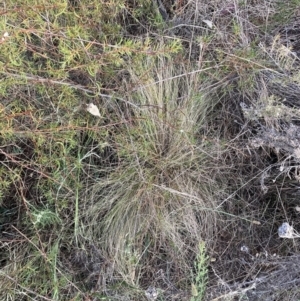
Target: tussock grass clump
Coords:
[(160, 198)]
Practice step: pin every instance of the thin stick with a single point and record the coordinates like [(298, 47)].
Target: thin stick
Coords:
[(68, 84)]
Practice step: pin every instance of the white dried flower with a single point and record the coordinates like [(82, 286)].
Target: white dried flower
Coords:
[(151, 293), (244, 249), (91, 108), (287, 231)]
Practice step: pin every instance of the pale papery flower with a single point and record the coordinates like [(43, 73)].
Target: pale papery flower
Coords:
[(287, 231)]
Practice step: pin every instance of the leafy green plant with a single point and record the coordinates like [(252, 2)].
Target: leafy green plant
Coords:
[(200, 278), (45, 217)]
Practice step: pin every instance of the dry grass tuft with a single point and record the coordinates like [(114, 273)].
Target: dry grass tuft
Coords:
[(161, 195)]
